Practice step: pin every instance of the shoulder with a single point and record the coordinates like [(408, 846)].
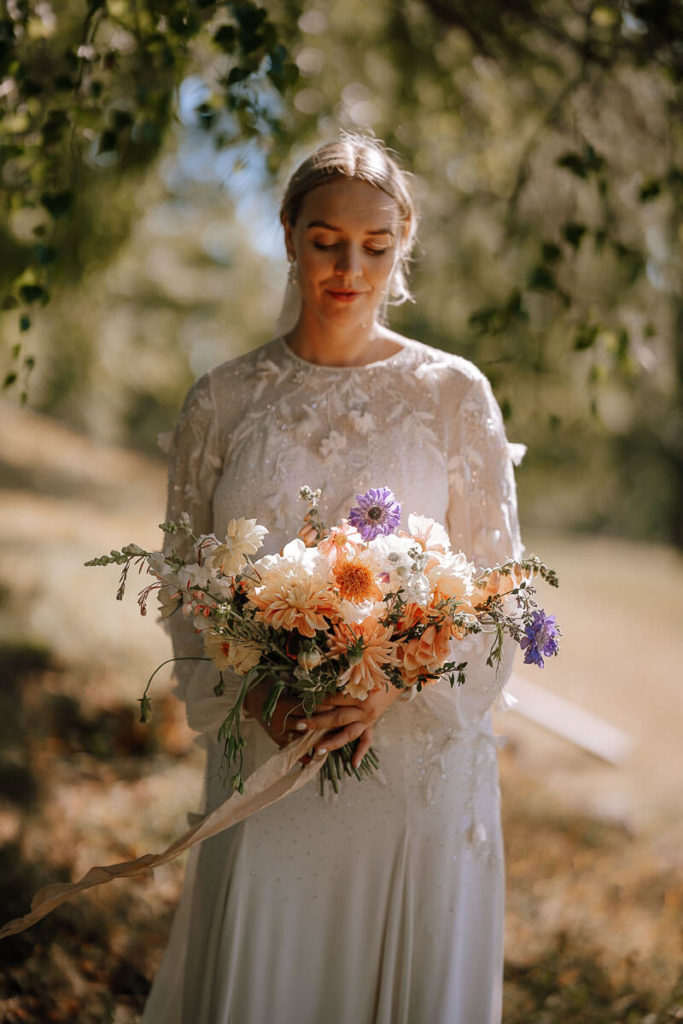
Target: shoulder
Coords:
[(439, 367), (209, 392), (243, 366)]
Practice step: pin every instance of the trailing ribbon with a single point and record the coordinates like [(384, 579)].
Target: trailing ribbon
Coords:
[(270, 782)]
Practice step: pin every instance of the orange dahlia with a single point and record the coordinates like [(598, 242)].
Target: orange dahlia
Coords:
[(293, 599), (356, 581), (369, 649), (424, 655)]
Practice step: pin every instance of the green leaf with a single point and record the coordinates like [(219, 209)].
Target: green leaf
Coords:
[(31, 292), (54, 126), (582, 164), (145, 709), (649, 190), (599, 237), (24, 322), (542, 279), (9, 380), (551, 252), (45, 254), (632, 261), (623, 351), (57, 203), (107, 142), (573, 232), (237, 74), (121, 119), (226, 38), (585, 336), (573, 163)]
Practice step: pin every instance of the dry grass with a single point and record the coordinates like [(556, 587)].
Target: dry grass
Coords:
[(595, 888)]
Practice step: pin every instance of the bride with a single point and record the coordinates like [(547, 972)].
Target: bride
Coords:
[(383, 905)]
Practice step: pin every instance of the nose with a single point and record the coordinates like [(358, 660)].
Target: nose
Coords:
[(348, 263)]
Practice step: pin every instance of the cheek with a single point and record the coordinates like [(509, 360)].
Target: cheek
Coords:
[(381, 268), (314, 265)]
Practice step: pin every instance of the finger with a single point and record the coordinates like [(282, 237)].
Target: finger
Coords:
[(335, 740), (341, 699), (362, 747), (337, 718)]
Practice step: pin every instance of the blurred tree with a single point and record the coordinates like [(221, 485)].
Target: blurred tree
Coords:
[(87, 95), (546, 140)]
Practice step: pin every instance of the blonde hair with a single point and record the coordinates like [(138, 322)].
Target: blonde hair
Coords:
[(360, 158)]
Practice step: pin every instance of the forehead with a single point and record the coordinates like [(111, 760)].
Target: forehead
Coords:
[(350, 205)]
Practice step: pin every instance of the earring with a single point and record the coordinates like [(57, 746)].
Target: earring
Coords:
[(292, 276)]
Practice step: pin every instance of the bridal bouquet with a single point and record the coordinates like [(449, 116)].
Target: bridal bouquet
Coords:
[(350, 608)]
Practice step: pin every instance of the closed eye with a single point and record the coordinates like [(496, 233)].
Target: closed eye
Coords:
[(371, 249)]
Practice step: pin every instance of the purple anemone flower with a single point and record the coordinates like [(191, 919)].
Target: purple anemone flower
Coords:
[(377, 512), (541, 638)]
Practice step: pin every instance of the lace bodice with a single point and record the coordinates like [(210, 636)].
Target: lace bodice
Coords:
[(422, 422)]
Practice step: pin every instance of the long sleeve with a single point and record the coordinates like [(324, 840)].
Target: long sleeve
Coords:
[(483, 520), (481, 476), (194, 468)]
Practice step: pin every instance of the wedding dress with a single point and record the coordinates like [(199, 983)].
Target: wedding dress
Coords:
[(384, 904)]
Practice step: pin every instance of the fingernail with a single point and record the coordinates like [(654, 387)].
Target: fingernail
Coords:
[(321, 751), (301, 726)]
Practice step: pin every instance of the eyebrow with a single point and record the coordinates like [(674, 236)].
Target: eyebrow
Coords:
[(331, 227)]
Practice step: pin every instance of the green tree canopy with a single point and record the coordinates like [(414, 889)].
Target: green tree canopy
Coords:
[(546, 141)]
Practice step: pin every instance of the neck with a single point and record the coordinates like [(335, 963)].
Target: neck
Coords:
[(335, 344)]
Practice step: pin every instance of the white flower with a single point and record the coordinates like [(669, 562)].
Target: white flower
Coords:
[(396, 555), (416, 589), (221, 588), (217, 648), (243, 657), (309, 659), (295, 554), (244, 537), (430, 534), (205, 545), (157, 563), (195, 576), (451, 575), (239, 657), (169, 600), (352, 613)]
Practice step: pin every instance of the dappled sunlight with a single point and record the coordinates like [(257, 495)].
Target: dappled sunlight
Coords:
[(595, 888)]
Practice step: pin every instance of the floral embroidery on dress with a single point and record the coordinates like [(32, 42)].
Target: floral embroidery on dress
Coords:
[(361, 422)]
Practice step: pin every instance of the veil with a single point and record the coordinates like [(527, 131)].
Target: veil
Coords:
[(291, 306)]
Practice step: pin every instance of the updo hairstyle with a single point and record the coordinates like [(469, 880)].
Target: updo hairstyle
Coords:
[(359, 158)]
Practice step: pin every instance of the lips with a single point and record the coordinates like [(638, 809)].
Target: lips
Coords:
[(343, 294)]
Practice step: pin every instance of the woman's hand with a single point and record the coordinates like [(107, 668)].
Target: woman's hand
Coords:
[(349, 719), (282, 727)]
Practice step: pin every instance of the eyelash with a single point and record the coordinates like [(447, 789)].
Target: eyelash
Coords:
[(371, 252)]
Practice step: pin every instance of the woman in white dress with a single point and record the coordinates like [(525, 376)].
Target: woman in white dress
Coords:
[(383, 905)]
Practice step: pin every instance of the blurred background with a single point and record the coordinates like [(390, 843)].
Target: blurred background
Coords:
[(144, 145)]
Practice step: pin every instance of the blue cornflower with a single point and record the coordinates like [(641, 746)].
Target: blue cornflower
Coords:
[(541, 638), (378, 512)]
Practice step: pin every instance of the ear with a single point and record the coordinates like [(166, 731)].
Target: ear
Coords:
[(289, 236)]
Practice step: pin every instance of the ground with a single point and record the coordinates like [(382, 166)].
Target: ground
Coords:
[(595, 887)]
